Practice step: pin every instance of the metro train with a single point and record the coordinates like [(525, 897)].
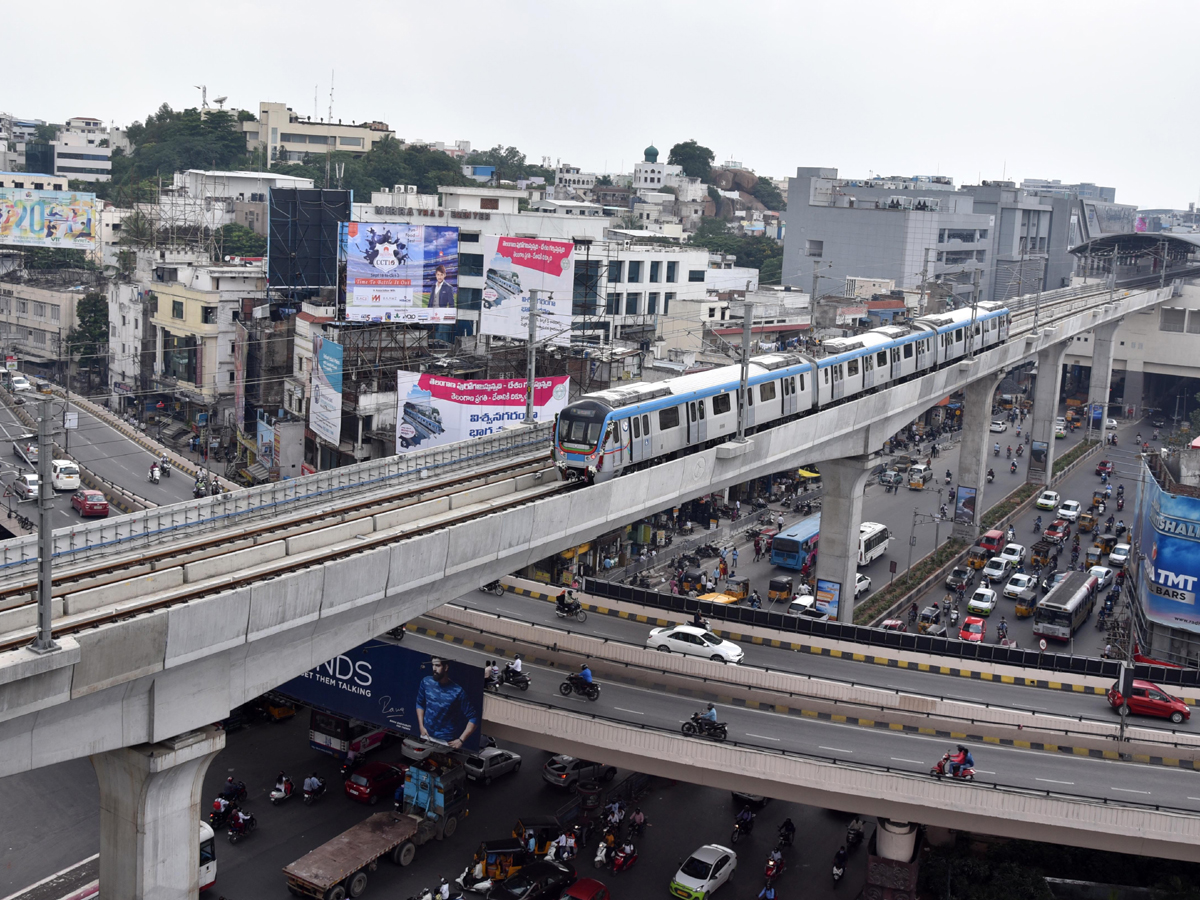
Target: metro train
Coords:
[(607, 433)]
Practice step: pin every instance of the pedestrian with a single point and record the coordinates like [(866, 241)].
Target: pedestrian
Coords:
[(716, 575), (737, 505), (733, 568), (757, 549), (779, 521)]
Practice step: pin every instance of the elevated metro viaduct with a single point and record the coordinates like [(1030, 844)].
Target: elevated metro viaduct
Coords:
[(146, 678)]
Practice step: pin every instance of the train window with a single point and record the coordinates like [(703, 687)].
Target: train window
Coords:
[(721, 404), (852, 367), (646, 425), (793, 381), (881, 358), (958, 335), (637, 429), (826, 371), (750, 396), (692, 411), (668, 418), (783, 381), (802, 382), (908, 351), (700, 403), (766, 391)]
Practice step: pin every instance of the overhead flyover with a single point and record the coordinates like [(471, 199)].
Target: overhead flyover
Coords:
[(1138, 257)]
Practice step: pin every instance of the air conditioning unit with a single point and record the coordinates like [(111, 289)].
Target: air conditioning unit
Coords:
[(412, 188)]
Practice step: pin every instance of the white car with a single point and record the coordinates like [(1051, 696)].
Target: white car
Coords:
[(1060, 422), (996, 569), (1048, 500), (1103, 573), (1069, 510), (21, 383), (705, 870), (1021, 586), (982, 602), (862, 584), (693, 641), (998, 426), (1111, 424), (1119, 556), (1014, 553), (25, 486)]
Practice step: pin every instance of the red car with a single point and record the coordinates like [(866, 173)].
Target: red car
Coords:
[(1104, 467), (373, 780), (973, 629), (89, 502), (586, 889), (1150, 700), (1059, 531)]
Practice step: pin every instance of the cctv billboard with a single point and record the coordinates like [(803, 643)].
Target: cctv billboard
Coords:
[(514, 267), (63, 219), (405, 690), (1168, 529), (396, 272)]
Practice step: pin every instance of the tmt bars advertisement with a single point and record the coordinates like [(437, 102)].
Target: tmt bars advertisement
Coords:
[(434, 410), (514, 267)]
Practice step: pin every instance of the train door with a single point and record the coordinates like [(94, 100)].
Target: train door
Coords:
[(647, 450), (634, 425), (868, 371), (748, 408), (922, 361), (1003, 322), (701, 425), (897, 371), (789, 395), (696, 428), (839, 386)]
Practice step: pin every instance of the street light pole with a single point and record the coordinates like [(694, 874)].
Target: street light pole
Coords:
[(747, 329), (44, 643), (531, 356)]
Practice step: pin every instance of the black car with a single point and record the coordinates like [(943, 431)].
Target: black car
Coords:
[(960, 576), (541, 880), (1159, 421)]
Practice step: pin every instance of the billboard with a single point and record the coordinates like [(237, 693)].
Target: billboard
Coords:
[(434, 410), (515, 266), (396, 272), (265, 443), (1038, 453), (964, 505), (302, 237), (64, 219), (828, 596), (325, 410), (1168, 529), (405, 690)]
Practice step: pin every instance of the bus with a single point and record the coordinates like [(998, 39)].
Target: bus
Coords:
[(792, 547), (208, 856), (338, 735), (1066, 606), (873, 540)]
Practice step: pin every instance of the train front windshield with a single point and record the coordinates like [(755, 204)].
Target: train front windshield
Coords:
[(579, 429)]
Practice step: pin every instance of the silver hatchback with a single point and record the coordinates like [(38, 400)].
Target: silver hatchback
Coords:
[(490, 763)]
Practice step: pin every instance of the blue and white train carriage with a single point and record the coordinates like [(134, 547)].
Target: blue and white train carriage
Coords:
[(606, 433)]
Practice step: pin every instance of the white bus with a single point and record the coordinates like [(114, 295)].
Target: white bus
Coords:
[(873, 541), (208, 856), (1066, 606)]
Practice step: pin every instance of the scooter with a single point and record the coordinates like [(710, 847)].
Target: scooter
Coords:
[(466, 881), (153, 477), (492, 587), (697, 724), (603, 852), (519, 680), (165, 468), (311, 797), (839, 869), (942, 769), (622, 860), (279, 796), (574, 685), (774, 868), (854, 836), (239, 830), (349, 765)]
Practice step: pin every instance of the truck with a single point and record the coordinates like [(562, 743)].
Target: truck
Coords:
[(428, 807)]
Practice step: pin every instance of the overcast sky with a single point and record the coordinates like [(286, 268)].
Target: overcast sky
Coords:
[(1080, 91)]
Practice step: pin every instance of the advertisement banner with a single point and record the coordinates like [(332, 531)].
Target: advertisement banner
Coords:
[(1038, 451), (266, 443), (405, 690), (964, 505), (65, 219), (514, 267), (433, 410), (827, 597), (395, 272), (325, 410), (1169, 537), (240, 336)]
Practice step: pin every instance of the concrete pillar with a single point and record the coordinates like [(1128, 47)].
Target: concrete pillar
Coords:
[(1102, 365), (895, 840), (150, 816), (1045, 411), (974, 455), (1135, 384), (843, 483)]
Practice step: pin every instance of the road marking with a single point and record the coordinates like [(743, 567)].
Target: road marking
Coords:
[(1130, 791), (919, 762), (82, 862), (634, 711), (1052, 781), (984, 772), (834, 749), (762, 737)]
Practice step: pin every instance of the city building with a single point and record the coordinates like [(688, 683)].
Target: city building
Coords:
[(1085, 190), (83, 155), (1030, 239), (130, 346), (651, 175), (288, 137), (37, 311), (34, 181), (572, 184), (198, 198), (457, 150), (482, 174)]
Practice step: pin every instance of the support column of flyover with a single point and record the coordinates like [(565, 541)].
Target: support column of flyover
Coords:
[(975, 457), (843, 483), (1102, 366), (150, 811), (1045, 411)]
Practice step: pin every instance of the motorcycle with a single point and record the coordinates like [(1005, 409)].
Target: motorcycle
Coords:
[(199, 490), (990, 476), (235, 791), (1120, 503), (622, 860), (603, 852), (219, 819), (953, 616), (575, 686), (492, 587), (741, 828), (1013, 467), (636, 828), (153, 477), (697, 724), (773, 870), (519, 680), (1037, 525), (279, 796), (165, 468), (942, 769), (839, 869), (571, 611), (239, 830), (310, 797), (349, 765), (854, 836)]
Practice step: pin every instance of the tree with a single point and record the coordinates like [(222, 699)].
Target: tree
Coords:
[(47, 133), (238, 240), (696, 159), (755, 252), (766, 193), (604, 181), (89, 342), (136, 230), (54, 258)]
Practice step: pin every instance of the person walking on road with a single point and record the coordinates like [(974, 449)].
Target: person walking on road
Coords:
[(734, 557)]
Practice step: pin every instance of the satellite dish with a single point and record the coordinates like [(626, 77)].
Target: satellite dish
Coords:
[(220, 101)]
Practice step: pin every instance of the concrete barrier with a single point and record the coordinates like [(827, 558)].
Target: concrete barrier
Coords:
[(119, 591), (238, 561)]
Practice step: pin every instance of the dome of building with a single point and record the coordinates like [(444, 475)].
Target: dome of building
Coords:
[(651, 154)]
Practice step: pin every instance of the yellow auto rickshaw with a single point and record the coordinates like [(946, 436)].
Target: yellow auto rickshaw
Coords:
[(500, 858), (977, 558), (737, 587), (1093, 555), (718, 598), (1098, 498), (780, 588), (691, 580), (928, 618), (1086, 523), (1106, 542), (1040, 553)]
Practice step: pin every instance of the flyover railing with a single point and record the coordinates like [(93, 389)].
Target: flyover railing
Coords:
[(867, 636), (236, 508)]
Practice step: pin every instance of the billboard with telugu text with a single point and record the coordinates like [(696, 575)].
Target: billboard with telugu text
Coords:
[(63, 219), (515, 266), (434, 410), (396, 272), (325, 410)]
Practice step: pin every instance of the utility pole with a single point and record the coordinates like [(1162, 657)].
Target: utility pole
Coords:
[(44, 643), (924, 278), (531, 356), (974, 310), (912, 539), (747, 328)]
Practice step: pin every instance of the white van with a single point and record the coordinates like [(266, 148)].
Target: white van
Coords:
[(64, 475)]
